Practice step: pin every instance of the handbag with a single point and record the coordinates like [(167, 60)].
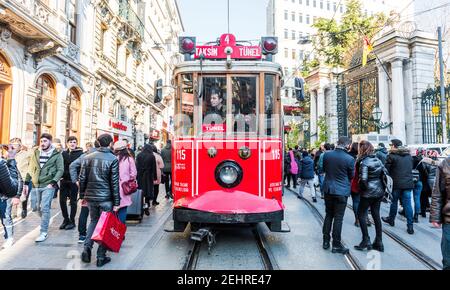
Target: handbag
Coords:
[(109, 231), (129, 186), (416, 173)]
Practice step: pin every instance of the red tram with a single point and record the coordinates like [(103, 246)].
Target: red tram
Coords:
[(228, 146)]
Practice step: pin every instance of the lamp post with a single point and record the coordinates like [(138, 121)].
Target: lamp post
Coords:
[(305, 132), (376, 117)]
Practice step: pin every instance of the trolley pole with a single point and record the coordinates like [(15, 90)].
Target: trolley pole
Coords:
[(443, 100)]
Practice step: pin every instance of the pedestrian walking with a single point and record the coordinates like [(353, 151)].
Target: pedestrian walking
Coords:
[(419, 172), (381, 152), (318, 165), (146, 174), (440, 208), (75, 168), (99, 186), (159, 168), (127, 172), (10, 190), (371, 192), (307, 176), (69, 189), (338, 166), (354, 185), (45, 170), (23, 158), (399, 164), (166, 155)]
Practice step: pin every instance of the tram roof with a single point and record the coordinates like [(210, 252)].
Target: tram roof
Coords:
[(215, 66)]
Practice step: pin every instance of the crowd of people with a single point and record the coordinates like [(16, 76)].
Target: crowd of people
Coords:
[(98, 179), (371, 176)]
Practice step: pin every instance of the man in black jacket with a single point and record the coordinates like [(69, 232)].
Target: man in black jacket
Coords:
[(68, 188), (399, 164), (99, 186), (338, 166)]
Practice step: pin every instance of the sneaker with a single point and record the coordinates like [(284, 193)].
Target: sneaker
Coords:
[(339, 249), (42, 237), (8, 243), (102, 261), (81, 239)]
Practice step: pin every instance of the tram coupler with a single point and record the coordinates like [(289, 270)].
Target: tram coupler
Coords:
[(201, 234)]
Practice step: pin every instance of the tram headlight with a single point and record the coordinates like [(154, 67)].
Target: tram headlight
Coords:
[(228, 174)]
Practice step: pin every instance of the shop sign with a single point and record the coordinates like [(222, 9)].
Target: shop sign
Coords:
[(113, 125)]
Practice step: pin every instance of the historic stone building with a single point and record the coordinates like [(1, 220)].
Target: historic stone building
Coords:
[(81, 67)]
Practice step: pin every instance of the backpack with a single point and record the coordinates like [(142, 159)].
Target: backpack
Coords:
[(388, 185), (294, 166)]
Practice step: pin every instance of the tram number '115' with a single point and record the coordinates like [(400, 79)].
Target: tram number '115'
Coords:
[(276, 154), (181, 154)]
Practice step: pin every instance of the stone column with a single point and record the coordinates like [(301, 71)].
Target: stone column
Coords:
[(409, 107), (313, 116), (383, 98), (398, 101)]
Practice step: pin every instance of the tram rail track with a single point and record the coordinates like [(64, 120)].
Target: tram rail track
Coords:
[(349, 257), (267, 259), (416, 253)]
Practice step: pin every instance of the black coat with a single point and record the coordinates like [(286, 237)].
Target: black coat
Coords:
[(9, 178), (166, 155), (381, 154), (99, 177), (371, 177), (399, 164), (70, 156), (339, 168), (146, 172)]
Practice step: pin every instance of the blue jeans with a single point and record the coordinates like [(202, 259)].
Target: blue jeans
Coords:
[(5, 216), (122, 213), (445, 246), (95, 210), (41, 201), (355, 203), (405, 195), (417, 190)]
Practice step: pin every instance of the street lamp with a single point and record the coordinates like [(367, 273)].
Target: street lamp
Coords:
[(376, 117), (305, 133)]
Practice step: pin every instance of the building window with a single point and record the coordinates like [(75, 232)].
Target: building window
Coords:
[(341, 8), (294, 56), (307, 2), (101, 104), (102, 39), (45, 107), (285, 15), (300, 54), (300, 2), (128, 64), (293, 16), (300, 18), (314, 3), (293, 34), (300, 35), (321, 4), (314, 19), (286, 53), (73, 114), (328, 5), (286, 34), (117, 53), (72, 16), (334, 6), (307, 19)]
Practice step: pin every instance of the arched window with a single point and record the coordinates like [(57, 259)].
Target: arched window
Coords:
[(73, 114), (116, 110), (45, 107)]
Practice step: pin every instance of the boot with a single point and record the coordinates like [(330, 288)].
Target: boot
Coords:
[(389, 221), (378, 246), (326, 245), (339, 249), (365, 244), (357, 223), (64, 224), (410, 229), (416, 218), (86, 255), (102, 261)]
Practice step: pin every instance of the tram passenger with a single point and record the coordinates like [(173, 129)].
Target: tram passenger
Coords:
[(216, 105)]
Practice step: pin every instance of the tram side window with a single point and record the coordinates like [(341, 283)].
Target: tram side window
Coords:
[(244, 104), (271, 116), (214, 104), (185, 119)]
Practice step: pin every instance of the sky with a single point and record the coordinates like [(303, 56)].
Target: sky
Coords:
[(207, 19)]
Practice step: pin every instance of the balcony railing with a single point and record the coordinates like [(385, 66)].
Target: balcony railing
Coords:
[(38, 11), (128, 14)]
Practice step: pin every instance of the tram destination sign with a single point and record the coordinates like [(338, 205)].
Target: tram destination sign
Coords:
[(228, 41)]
